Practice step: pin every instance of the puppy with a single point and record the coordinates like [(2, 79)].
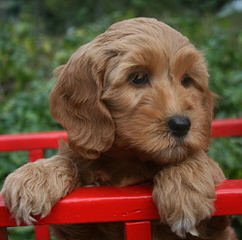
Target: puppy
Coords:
[(136, 105)]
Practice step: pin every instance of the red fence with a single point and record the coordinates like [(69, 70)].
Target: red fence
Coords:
[(132, 205)]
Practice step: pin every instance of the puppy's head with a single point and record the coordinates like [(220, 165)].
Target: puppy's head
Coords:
[(142, 84)]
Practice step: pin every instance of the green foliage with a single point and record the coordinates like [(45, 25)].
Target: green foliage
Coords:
[(15, 45), (16, 233), (31, 49), (227, 151)]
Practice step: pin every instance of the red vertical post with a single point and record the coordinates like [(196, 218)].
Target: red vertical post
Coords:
[(35, 154), (3, 233), (42, 232), (138, 230)]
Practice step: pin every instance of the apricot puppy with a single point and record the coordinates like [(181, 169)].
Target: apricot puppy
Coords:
[(136, 105)]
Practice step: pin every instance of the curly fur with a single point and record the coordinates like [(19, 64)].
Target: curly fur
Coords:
[(118, 134)]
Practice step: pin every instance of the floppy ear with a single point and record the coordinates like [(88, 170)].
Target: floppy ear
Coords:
[(75, 103), (209, 100), (213, 99), (209, 97)]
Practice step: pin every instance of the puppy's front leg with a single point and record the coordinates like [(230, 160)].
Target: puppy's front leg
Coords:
[(35, 187), (184, 193)]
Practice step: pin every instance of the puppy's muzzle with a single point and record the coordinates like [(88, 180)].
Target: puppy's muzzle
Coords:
[(178, 125)]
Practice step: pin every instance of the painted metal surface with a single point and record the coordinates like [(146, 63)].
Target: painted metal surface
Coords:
[(3, 233), (42, 232), (105, 204), (29, 141), (227, 127), (138, 230)]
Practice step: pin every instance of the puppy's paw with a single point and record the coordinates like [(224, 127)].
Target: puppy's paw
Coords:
[(183, 226), (183, 206), (182, 211), (26, 193)]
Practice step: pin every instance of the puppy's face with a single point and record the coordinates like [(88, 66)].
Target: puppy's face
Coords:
[(154, 85)]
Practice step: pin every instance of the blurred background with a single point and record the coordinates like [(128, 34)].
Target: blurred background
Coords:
[(38, 35)]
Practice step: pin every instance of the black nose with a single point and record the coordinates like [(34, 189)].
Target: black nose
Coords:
[(178, 125)]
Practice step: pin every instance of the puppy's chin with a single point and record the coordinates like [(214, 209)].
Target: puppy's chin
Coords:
[(161, 147), (179, 150), (175, 153)]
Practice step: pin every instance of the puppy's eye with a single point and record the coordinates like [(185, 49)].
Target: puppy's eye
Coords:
[(186, 81), (138, 79)]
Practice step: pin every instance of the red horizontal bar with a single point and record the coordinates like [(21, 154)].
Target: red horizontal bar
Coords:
[(104, 204), (229, 198), (227, 127), (97, 204), (29, 141)]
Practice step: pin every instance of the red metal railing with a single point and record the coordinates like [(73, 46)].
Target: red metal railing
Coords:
[(132, 205)]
